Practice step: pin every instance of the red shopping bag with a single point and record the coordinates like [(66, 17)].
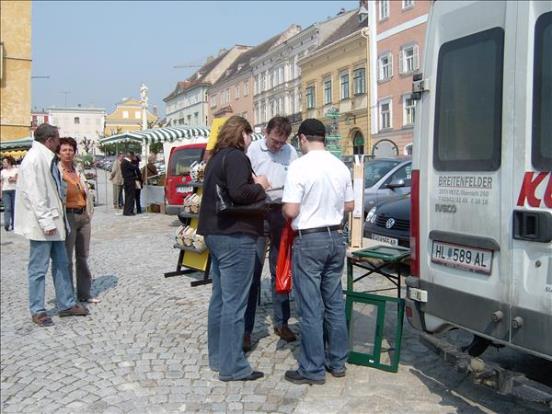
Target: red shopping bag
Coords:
[(283, 265)]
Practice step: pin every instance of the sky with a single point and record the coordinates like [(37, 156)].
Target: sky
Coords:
[(97, 53)]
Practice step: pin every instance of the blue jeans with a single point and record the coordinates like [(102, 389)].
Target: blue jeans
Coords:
[(274, 224), (318, 260), (232, 263), (8, 198), (40, 254)]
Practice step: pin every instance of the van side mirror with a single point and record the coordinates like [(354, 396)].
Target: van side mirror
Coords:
[(398, 183)]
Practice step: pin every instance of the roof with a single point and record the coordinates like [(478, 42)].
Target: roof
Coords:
[(350, 26), (242, 62), (197, 78)]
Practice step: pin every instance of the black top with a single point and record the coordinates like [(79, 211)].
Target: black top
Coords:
[(237, 178), (129, 172)]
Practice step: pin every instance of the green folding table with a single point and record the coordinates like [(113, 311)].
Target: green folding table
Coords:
[(374, 339)]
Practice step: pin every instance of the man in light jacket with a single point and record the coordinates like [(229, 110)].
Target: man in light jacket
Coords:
[(40, 217), (116, 178)]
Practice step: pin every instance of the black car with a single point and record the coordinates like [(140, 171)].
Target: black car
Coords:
[(389, 222)]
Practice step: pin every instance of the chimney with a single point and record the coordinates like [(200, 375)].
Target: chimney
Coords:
[(222, 52)]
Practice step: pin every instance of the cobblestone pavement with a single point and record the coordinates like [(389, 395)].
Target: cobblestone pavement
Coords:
[(143, 348)]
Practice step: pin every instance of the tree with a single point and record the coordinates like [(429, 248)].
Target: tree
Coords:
[(87, 144)]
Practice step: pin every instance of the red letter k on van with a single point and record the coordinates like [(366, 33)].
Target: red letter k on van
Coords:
[(529, 187)]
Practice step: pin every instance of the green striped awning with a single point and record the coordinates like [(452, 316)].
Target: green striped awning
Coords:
[(169, 134), (21, 143), (150, 136)]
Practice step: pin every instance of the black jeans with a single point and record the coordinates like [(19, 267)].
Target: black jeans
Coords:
[(129, 198)]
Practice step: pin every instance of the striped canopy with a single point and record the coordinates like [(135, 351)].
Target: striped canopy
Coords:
[(150, 136), (22, 143)]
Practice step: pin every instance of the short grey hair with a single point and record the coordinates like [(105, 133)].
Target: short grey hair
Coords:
[(45, 131)]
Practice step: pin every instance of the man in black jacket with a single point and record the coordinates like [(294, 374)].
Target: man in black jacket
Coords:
[(129, 183)]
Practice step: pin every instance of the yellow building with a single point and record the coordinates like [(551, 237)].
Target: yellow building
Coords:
[(127, 117), (334, 86), (15, 69)]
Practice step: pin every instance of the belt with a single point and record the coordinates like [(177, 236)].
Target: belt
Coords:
[(319, 230), (75, 210)]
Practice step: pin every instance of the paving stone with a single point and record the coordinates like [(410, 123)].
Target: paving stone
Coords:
[(143, 348)]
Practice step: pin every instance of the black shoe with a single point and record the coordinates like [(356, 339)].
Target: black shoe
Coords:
[(255, 375), (296, 378), (337, 374), (76, 310)]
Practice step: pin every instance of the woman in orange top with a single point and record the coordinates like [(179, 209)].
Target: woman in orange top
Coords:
[(79, 208)]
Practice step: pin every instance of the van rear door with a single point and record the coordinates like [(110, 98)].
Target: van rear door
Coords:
[(465, 260), (530, 139)]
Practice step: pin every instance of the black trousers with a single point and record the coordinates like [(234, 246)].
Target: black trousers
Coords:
[(137, 197), (129, 199)]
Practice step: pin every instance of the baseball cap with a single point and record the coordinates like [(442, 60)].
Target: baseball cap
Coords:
[(312, 127)]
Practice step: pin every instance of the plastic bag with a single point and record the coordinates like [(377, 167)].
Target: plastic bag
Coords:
[(283, 264)]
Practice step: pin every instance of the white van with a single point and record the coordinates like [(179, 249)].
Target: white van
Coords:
[(481, 219)]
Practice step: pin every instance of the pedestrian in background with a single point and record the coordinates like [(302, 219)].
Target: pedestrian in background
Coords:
[(317, 192), (8, 183), (271, 157), (232, 243), (116, 178), (149, 170), (129, 183), (138, 183), (79, 207), (40, 217)]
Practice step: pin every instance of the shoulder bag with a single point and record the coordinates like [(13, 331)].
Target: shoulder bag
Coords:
[(225, 205)]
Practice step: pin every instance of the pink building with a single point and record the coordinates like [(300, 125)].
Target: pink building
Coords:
[(397, 31)]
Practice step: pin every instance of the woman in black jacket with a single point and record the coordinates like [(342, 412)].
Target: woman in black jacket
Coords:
[(231, 239)]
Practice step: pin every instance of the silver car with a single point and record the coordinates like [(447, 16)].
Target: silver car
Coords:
[(385, 179)]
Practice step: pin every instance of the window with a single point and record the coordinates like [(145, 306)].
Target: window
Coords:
[(385, 69), (213, 99), (310, 97), (385, 114), (359, 83), (263, 82), (237, 91), (409, 110), (403, 173), (245, 88), (256, 85), (137, 115), (358, 143), (383, 9), (344, 85), (542, 100), (409, 59), (327, 91), (407, 4), (125, 114), (76, 120), (468, 103), (182, 160)]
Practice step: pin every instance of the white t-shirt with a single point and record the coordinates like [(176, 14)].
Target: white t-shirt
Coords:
[(321, 183), (273, 165), (6, 174)]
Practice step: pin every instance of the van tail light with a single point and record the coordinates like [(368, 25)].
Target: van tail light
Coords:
[(415, 224)]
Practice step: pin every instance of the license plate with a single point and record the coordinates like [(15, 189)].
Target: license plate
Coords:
[(385, 239), (186, 189), (462, 257)]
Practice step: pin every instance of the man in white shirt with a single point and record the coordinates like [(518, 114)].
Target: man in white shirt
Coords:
[(40, 217), (271, 157), (318, 191)]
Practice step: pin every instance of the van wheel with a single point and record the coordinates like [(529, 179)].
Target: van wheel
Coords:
[(477, 346), (184, 220)]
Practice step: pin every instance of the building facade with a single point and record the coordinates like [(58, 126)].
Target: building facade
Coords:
[(277, 76), (187, 104), (232, 94), (15, 69), (79, 123), (333, 85), (126, 117), (397, 32), (38, 118)]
